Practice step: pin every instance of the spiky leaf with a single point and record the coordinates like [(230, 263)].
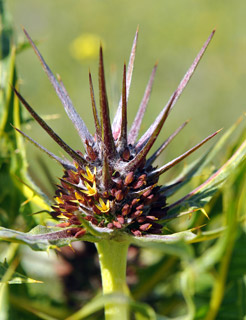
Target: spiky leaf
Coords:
[(43, 238)]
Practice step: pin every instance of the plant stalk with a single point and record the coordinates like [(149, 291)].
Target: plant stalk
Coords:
[(113, 259)]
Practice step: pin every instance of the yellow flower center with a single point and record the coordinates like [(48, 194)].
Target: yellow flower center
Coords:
[(89, 175), (103, 207), (91, 190)]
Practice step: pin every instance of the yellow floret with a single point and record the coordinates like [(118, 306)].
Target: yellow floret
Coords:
[(103, 207), (89, 176), (59, 200), (91, 190)]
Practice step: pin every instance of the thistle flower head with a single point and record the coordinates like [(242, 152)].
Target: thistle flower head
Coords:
[(113, 184)]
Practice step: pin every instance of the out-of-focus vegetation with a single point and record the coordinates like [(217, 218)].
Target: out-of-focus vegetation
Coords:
[(171, 32), (212, 284)]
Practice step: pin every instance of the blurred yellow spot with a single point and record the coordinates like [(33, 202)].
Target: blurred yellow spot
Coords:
[(86, 46)]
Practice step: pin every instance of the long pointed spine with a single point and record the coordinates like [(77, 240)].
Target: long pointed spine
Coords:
[(74, 155), (63, 162), (172, 163), (107, 137), (133, 133), (123, 133), (117, 119), (164, 145), (64, 97), (94, 109), (178, 92), (140, 157), (106, 176), (214, 177)]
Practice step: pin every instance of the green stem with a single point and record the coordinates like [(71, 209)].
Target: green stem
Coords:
[(113, 258)]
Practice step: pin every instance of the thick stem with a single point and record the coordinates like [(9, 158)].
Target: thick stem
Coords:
[(113, 258)]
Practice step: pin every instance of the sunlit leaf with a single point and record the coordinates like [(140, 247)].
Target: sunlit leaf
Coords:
[(99, 302), (43, 238), (16, 277), (202, 194), (170, 244), (196, 168)]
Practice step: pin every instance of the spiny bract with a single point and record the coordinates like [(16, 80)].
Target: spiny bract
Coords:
[(112, 185)]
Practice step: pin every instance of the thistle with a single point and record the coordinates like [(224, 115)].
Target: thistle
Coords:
[(110, 193), (113, 185)]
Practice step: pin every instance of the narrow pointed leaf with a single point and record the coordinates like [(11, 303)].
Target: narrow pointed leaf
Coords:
[(95, 230), (185, 176), (53, 135), (31, 309), (203, 193), (164, 145), (196, 167), (117, 119), (133, 133), (43, 238), (65, 163), (123, 131), (76, 187), (134, 163), (178, 92), (64, 97), (8, 76), (143, 310), (172, 163), (174, 244), (208, 235), (177, 243), (107, 136), (7, 275), (94, 109)]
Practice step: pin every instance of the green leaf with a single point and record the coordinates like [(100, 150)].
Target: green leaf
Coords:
[(237, 268), (99, 302), (13, 163), (15, 277), (196, 168), (28, 309), (6, 32), (177, 243), (4, 301), (233, 306), (174, 244), (226, 299), (8, 77), (201, 195), (43, 238)]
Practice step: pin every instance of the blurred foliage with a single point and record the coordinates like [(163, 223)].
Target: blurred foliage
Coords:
[(15, 278), (207, 284), (171, 32)]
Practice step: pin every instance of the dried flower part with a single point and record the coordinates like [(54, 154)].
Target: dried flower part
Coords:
[(113, 184), (82, 196)]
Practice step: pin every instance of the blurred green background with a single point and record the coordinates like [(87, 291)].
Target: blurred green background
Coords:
[(171, 32)]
